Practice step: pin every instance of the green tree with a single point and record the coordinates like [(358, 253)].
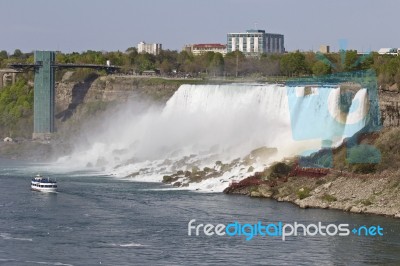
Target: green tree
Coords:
[(350, 61), (131, 50), (3, 54), (217, 64), (165, 67), (17, 53), (144, 62), (269, 65), (293, 64), (320, 68), (183, 60), (367, 62), (234, 62)]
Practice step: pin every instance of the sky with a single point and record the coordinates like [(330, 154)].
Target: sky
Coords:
[(110, 25)]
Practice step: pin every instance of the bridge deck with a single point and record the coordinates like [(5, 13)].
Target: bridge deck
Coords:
[(9, 70), (25, 67)]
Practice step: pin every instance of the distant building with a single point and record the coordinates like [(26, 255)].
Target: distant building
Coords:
[(325, 49), (392, 51), (150, 48), (197, 49), (255, 42), (187, 48)]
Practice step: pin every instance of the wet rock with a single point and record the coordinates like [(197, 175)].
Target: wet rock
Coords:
[(303, 205), (133, 174), (265, 191), (255, 194), (355, 209), (167, 179), (177, 184), (283, 191), (207, 169), (195, 169), (262, 153), (347, 207), (325, 206)]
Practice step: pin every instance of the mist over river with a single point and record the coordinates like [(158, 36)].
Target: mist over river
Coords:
[(206, 126), (99, 220)]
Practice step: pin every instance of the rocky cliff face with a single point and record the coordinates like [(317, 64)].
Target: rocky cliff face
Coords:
[(69, 95), (389, 103), (112, 88)]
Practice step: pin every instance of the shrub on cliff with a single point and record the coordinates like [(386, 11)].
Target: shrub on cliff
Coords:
[(16, 109), (388, 144), (303, 193), (280, 170), (364, 168), (363, 159), (329, 198), (277, 170)]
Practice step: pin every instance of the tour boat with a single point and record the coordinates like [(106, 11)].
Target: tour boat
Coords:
[(40, 183)]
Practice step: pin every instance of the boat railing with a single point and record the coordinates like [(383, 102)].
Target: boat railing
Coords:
[(44, 180)]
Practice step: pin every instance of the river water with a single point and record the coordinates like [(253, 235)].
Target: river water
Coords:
[(99, 220)]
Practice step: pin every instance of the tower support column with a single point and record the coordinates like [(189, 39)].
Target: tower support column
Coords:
[(44, 95)]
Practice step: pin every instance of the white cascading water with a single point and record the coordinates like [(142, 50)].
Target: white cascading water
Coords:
[(219, 122)]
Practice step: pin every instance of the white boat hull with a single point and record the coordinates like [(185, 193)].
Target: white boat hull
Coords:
[(44, 189)]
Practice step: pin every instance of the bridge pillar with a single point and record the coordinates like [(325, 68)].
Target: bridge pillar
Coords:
[(44, 95), (14, 75), (1, 79)]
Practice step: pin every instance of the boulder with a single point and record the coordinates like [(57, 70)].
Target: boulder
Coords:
[(8, 139)]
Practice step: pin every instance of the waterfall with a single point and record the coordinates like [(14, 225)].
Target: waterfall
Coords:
[(201, 124)]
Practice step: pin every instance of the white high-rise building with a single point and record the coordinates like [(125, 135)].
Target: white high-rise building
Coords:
[(150, 48), (255, 42)]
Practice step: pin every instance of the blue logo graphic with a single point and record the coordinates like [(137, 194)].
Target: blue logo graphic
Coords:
[(320, 110)]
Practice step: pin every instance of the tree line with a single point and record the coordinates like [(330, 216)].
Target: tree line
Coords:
[(234, 64)]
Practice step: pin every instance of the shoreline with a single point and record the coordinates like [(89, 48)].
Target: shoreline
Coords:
[(371, 194), (375, 195)]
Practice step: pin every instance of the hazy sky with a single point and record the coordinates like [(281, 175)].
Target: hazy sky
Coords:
[(78, 25)]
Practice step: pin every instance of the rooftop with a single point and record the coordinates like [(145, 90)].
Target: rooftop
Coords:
[(209, 45)]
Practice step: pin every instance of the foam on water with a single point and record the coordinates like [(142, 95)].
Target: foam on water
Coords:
[(7, 236), (128, 245), (218, 122)]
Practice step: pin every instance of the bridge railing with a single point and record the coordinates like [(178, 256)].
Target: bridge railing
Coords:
[(26, 66)]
